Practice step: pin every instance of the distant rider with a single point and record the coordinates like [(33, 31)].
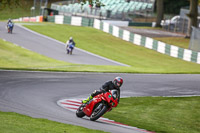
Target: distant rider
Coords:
[(10, 25), (70, 44), (109, 85)]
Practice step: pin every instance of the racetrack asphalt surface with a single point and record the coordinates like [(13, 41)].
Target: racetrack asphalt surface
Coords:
[(36, 93)]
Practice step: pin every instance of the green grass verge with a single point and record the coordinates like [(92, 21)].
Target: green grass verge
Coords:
[(146, 27), (177, 41), (140, 59), (159, 114), (16, 123)]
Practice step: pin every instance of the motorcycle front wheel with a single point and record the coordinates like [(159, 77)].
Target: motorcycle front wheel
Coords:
[(98, 112), (79, 112)]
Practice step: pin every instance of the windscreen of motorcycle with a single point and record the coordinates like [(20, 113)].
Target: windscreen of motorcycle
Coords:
[(114, 93)]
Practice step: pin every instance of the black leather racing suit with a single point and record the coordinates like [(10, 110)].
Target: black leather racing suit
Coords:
[(105, 88)]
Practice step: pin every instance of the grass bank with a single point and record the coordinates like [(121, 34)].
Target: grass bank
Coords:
[(159, 114), (16, 123), (140, 59), (177, 41)]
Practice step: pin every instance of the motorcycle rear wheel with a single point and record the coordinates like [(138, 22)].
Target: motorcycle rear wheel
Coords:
[(79, 112), (98, 113)]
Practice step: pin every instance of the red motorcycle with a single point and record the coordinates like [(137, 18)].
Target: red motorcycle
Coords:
[(99, 105)]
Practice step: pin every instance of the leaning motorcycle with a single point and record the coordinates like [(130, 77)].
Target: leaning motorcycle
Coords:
[(10, 27), (99, 105)]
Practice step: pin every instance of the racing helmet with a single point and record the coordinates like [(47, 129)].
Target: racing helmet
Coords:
[(71, 38), (118, 81)]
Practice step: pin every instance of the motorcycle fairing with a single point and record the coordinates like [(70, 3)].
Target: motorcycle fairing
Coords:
[(89, 107)]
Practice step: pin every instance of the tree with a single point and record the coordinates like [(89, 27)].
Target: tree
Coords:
[(160, 12), (174, 6), (193, 13), (8, 3)]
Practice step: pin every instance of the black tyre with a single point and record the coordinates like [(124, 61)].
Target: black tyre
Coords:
[(79, 112), (98, 112)]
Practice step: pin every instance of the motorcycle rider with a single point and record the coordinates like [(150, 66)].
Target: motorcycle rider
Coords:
[(9, 22), (109, 85), (70, 44), (10, 25)]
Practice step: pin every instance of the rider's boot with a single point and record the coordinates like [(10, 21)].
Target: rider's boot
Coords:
[(87, 100)]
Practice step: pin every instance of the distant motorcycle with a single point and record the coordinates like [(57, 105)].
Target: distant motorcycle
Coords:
[(70, 49), (99, 105), (10, 27)]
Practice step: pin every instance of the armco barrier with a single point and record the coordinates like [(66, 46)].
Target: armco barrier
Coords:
[(25, 19), (30, 19), (87, 22), (39, 18), (51, 19), (77, 21), (59, 19), (67, 20)]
